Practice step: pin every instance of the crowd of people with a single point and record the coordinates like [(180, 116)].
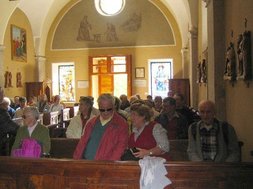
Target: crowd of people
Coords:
[(142, 126)]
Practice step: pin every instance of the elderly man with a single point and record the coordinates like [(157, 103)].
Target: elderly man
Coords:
[(106, 135), (211, 139)]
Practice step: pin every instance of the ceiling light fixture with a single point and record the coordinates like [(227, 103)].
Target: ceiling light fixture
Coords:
[(109, 7)]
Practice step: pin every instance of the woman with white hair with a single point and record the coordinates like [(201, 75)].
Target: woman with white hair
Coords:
[(32, 129)]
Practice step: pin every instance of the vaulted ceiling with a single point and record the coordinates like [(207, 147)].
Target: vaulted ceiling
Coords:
[(41, 14)]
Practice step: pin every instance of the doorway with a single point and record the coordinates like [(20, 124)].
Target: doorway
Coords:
[(110, 74)]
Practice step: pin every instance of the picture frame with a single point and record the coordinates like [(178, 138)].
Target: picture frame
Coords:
[(139, 72), (18, 44), (160, 71)]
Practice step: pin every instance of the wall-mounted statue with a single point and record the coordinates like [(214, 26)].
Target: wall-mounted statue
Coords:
[(230, 64), (204, 71), (244, 56), (8, 79), (199, 73), (19, 80)]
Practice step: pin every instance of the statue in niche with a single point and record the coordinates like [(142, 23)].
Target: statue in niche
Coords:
[(230, 64), (244, 56)]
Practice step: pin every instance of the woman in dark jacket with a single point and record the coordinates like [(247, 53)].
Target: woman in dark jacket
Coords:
[(8, 128)]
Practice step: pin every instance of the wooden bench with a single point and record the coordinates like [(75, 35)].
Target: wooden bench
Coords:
[(73, 111), (24, 173), (64, 148), (50, 118)]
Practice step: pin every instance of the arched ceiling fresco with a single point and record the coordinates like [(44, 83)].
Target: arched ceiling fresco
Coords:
[(139, 24)]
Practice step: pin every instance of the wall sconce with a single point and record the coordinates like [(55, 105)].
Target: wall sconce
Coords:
[(109, 7)]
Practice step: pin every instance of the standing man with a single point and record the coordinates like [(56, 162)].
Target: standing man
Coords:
[(105, 136), (211, 139)]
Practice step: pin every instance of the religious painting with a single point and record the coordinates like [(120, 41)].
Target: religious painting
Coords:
[(67, 82), (18, 44), (160, 73)]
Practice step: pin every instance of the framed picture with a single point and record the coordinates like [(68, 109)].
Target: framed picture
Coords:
[(66, 82), (18, 44), (139, 72), (160, 71)]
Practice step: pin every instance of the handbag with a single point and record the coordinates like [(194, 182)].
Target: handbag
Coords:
[(128, 155), (29, 148)]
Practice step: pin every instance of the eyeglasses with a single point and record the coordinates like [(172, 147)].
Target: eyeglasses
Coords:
[(105, 110)]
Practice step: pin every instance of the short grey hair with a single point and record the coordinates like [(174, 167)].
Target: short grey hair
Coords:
[(33, 110), (6, 100), (107, 97)]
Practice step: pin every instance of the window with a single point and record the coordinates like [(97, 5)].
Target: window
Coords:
[(110, 74), (64, 81)]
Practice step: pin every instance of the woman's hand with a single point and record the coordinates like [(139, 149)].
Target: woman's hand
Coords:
[(141, 153)]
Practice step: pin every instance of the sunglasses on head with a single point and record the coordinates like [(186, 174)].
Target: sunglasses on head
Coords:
[(105, 110)]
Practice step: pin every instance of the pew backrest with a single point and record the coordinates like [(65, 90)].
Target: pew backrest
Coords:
[(64, 148)]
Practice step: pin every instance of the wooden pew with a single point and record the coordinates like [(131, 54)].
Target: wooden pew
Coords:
[(18, 120), (64, 118), (51, 121), (64, 148), (73, 111), (50, 118), (22, 173)]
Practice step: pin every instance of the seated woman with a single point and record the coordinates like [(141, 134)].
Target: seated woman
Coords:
[(32, 129), (78, 122), (148, 137)]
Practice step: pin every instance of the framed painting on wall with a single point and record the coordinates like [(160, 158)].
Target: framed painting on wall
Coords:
[(18, 44), (139, 72), (66, 82), (160, 72)]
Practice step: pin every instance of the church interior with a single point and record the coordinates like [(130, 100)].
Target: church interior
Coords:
[(68, 46)]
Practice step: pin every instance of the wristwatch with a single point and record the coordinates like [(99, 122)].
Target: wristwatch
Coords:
[(150, 153)]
